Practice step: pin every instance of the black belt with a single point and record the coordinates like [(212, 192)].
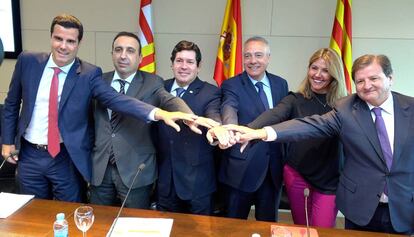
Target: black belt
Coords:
[(41, 147), (383, 204)]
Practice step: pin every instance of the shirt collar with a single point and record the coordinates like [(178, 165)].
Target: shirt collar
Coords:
[(175, 86), (264, 80), (128, 79), (387, 106), (51, 64)]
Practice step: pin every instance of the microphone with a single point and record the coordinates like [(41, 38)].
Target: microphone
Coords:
[(13, 153), (1, 53), (306, 194), (140, 168)]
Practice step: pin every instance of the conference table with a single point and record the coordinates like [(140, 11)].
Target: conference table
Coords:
[(36, 219)]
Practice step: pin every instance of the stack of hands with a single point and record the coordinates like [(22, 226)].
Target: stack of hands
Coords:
[(227, 135), (224, 136)]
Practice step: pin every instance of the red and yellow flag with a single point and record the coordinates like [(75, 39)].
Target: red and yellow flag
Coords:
[(341, 39), (229, 55), (146, 36)]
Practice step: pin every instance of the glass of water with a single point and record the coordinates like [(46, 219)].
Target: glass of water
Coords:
[(84, 218)]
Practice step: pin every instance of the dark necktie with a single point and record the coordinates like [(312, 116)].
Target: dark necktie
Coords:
[(262, 94), (384, 141), (179, 91), (114, 115), (115, 118), (53, 140)]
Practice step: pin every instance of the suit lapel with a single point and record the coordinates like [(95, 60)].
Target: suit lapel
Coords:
[(37, 76), (275, 90), (362, 115), (192, 89), (401, 119), (136, 85), (70, 82)]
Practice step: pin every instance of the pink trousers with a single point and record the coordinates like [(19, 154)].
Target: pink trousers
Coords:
[(321, 207)]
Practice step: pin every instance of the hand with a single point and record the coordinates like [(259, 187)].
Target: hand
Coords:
[(9, 153), (246, 134), (169, 118), (203, 121), (224, 138)]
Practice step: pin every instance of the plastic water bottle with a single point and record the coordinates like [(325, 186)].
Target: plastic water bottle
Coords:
[(60, 227)]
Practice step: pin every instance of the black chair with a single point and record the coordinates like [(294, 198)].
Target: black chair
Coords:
[(8, 171)]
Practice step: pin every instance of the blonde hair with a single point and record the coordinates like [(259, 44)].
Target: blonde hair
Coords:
[(335, 69)]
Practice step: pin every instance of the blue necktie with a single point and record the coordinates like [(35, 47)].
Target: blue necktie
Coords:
[(384, 141), (262, 94), (179, 91)]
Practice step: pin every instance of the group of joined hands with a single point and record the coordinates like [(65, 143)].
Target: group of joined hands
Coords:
[(224, 136)]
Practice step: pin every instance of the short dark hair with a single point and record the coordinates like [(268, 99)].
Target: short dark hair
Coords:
[(67, 21), (186, 45), (367, 59), (128, 34)]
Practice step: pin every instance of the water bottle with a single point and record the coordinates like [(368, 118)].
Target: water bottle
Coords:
[(60, 227)]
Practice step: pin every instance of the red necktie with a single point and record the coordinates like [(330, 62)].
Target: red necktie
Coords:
[(53, 140)]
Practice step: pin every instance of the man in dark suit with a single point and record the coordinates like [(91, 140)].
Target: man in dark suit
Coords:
[(253, 178), (122, 143), (185, 161), (54, 93), (376, 191)]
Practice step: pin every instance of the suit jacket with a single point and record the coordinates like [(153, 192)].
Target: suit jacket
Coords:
[(241, 105), (131, 139), (365, 171), (83, 82), (186, 157)]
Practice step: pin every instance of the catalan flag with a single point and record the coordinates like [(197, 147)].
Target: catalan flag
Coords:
[(146, 37), (229, 55), (341, 39)]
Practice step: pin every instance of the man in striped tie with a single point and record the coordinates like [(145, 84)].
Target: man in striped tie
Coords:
[(122, 143)]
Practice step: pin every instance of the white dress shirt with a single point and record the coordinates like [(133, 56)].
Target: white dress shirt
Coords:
[(36, 132)]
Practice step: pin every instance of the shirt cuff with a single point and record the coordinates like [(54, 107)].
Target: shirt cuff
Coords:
[(271, 134), (151, 115)]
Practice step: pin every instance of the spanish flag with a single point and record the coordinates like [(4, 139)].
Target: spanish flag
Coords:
[(341, 39), (146, 37), (229, 55)]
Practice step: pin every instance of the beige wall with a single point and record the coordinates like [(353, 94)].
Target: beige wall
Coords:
[(294, 28)]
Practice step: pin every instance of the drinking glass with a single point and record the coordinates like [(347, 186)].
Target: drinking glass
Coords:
[(84, 218)]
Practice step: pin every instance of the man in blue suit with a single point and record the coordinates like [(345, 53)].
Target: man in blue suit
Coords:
[(52, 94), (253, 178), (375, 125), (186, 172)]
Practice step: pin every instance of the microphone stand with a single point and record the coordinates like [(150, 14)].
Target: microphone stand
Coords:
[(140, 168), (13, 153)]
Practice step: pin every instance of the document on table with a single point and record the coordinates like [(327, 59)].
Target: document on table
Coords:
[(142, 227), (10, 202)]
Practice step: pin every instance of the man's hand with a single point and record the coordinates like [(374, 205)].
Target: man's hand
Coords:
[(9, 153), (202, 121), (169, 118), (221, 136), (246, 134)]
